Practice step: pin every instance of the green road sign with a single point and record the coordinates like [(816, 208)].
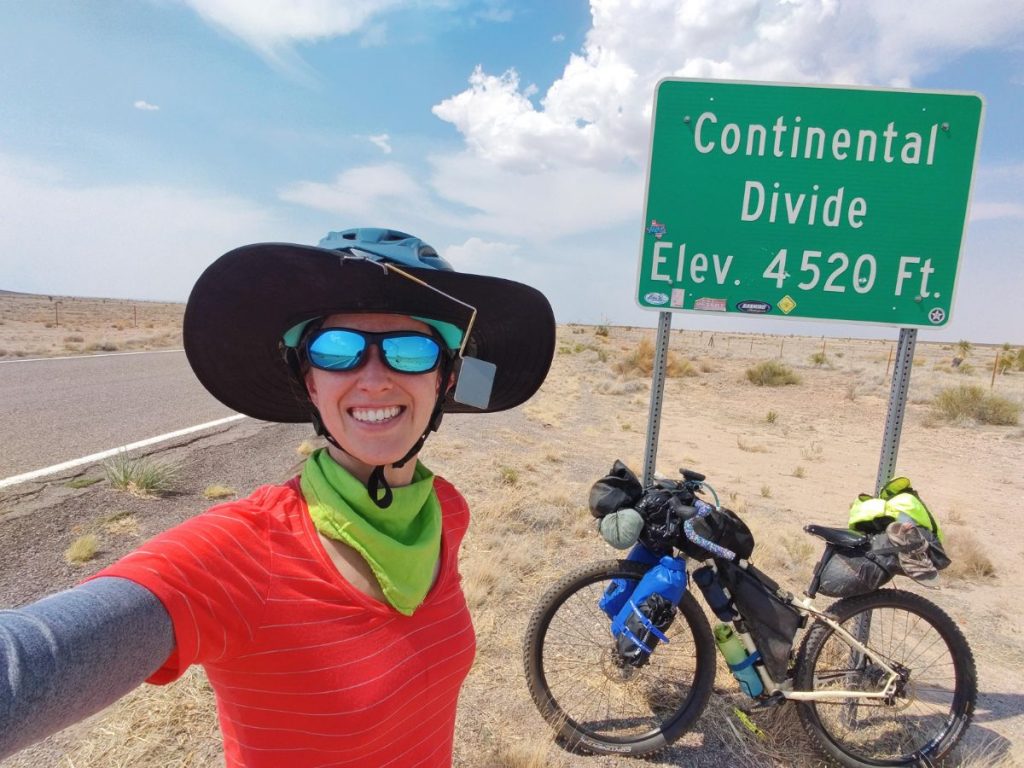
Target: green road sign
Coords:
[(814, 202)]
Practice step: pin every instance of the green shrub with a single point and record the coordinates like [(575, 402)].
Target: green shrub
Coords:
[(771, 373), (819, 359), (969, 401)]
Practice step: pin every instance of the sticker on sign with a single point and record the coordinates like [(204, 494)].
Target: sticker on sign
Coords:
[(833, 203)]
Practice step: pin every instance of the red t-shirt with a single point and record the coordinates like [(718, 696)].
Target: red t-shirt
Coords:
[(307, 670)]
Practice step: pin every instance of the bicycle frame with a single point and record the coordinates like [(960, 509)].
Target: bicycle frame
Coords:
[(806, 606)]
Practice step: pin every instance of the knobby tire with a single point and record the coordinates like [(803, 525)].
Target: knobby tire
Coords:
[(596, 705), (930, 712)]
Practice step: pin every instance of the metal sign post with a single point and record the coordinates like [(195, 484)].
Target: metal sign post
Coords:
[(897, 405), (657, 395)]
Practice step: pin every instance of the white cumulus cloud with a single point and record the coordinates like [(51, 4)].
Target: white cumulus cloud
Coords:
[(145, 106), (598, 112)]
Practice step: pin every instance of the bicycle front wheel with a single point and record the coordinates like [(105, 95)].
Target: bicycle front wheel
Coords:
[(597, 702), (928, 709)]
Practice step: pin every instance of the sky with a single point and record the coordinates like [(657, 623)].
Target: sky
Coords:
[(140, 139)]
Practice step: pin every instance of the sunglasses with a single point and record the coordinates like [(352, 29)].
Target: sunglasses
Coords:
[(344, 349)]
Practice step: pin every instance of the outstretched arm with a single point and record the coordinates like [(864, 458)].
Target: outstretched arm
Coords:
[(74, 653)]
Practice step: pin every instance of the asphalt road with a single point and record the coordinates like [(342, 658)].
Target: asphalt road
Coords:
[(59, 409)]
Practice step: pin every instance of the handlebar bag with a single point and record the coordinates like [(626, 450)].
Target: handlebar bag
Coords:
[(723, 527), (617, 490)]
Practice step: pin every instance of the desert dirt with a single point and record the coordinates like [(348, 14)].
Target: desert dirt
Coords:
[(781, 457)]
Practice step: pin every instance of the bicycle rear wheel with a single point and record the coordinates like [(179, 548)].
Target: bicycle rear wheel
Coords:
[(934, 699), (596, 702)]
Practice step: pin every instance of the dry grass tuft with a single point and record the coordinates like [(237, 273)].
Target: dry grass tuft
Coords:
[(970, 402), (639, 361), (122, 523), (622, 386), (214, 492), (813, 452), (83, 549), (771, 373), (305, 448), (743, 445), (535, 752), (969, 558)]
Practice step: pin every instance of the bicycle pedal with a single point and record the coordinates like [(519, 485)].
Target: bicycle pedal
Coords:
[(771, 701)]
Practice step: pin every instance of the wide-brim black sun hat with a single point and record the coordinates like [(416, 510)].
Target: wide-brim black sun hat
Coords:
[(246, 300)]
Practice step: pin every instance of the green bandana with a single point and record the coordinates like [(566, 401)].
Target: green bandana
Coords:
[(401, 543)]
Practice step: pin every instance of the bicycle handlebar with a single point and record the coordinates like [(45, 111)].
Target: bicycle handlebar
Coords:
[(703, 510)]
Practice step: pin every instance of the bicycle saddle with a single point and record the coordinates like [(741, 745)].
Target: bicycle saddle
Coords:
[(840, 537)]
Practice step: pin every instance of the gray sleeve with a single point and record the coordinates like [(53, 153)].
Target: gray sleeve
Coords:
[(71, 654)]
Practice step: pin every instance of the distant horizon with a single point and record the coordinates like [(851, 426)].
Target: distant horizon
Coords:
[(676, 327)]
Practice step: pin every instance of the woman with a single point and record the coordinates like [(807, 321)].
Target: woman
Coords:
[(327, 612)]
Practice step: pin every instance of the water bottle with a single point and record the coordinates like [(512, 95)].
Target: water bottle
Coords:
[(643, 620), (714, 593), (740, 662), (618, 592)]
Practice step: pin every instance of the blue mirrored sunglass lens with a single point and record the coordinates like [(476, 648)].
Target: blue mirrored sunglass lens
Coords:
[(411, 354), (337, 350)]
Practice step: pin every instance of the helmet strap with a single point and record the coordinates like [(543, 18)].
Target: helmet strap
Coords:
[(377, 485)]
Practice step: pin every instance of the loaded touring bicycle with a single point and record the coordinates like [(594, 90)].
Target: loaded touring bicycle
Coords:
[(620, 657)]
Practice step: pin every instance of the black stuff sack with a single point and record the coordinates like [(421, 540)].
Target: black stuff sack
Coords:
[(617, 490), (850, 572)]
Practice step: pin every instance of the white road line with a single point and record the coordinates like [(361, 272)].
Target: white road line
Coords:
[(102, 354), (105, 454)]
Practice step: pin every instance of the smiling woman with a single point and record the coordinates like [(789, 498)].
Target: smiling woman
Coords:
[(327, 612)]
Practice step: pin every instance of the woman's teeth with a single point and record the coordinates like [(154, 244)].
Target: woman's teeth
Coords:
[(375, 415)]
